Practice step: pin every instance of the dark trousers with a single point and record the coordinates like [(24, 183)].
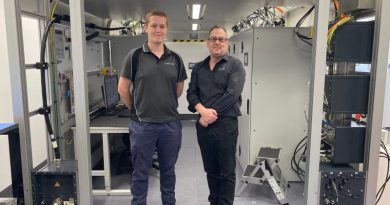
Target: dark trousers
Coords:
[(218, 147), (145, 138)]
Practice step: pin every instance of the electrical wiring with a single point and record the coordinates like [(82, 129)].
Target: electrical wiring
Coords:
[(338, 12), (333, 28), (298, 25), (335, 190), (262, 17), (92, 36), (43, 66), (53, 70), (298, 171), (336, 4), (294, 164), (385, 155), (279, 9), (301, 157), (54, 8), (93, 26)]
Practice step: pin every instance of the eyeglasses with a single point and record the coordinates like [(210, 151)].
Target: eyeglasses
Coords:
[(215, 39)]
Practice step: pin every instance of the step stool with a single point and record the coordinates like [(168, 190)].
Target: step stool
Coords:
[(8, 201), (266, 169)]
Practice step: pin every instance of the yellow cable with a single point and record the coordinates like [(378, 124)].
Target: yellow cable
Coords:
[(54, 8), (334, 27), (51, 31), (336, 24)]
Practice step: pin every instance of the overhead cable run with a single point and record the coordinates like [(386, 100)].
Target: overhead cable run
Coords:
[(133, 27), (262, 17)]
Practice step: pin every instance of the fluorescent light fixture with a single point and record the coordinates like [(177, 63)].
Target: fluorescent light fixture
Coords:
[(365, 19), (196, 11), (194, 26)]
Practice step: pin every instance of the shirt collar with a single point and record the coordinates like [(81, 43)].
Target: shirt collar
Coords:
[(146, 49), (224, 57)]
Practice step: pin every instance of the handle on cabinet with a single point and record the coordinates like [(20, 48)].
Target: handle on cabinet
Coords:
[(247, 106)]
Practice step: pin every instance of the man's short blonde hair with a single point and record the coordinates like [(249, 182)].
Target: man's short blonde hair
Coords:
[(155, 13)]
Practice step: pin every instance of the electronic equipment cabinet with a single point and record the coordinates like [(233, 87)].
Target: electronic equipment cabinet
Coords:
[(276, 93)]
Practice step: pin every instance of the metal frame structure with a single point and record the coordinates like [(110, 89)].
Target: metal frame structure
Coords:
[(82, 139), (106, 172), (377, 97), (16, 66), (11, 11), (376, 100), (316, 98)]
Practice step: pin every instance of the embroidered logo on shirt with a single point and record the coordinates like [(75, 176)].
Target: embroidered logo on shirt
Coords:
[(223, 68), (169, 63)]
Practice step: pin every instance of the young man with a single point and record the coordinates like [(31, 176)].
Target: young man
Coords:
[(156, 76), (214, 92)]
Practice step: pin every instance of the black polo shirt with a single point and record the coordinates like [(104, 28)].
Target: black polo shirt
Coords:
[(220, 88), (154, 82)]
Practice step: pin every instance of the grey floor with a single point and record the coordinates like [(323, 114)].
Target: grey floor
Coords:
[(191, 185)]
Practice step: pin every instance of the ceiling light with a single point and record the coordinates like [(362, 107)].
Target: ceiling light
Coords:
[(196, 11), (194, 26), (365, 19)]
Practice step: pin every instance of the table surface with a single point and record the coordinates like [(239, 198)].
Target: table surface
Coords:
[(6, 127), (110, 121)]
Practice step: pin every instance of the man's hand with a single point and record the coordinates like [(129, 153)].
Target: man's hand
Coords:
[(203, 122), (124, 91), (209, 115)]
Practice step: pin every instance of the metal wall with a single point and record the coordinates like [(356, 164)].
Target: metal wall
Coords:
[(121, 46), (190, 52)]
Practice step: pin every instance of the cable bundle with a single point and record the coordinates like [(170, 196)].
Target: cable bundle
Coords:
[(386, 155), (333, 28), (298, 25), (295, 165), (263, 17)]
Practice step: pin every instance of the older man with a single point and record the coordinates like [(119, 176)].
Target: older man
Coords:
[(214, 92)]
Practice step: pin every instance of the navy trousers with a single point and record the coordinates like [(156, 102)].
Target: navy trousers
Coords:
[(217, 144), (145, 138)]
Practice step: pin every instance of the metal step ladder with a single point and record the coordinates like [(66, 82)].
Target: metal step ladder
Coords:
[(266, 169)]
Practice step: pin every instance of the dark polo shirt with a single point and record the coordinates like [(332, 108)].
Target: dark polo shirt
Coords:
[(153, 84), (220, 88)]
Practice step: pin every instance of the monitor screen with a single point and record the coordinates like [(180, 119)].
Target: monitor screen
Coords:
[(111, 95)]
